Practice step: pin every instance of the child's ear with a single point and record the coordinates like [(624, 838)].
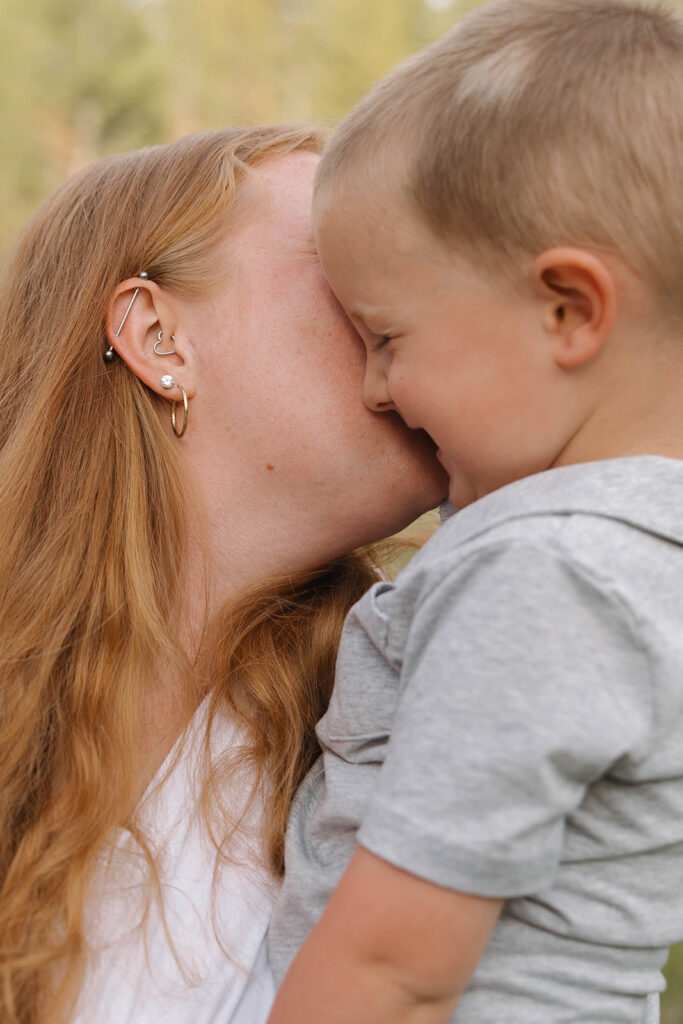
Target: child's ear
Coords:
[(138, 311), (579, 294)]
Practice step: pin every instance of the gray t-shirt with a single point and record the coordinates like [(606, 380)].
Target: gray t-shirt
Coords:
[(507, 720)]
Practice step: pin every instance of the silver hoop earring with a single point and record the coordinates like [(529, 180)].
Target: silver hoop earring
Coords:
[(110, 353), (186, 412), (159, 341)]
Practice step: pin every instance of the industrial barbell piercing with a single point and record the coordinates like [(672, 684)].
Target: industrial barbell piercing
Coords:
[(110, 352), (159, 341)]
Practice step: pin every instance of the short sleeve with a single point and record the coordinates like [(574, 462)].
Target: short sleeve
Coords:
[(523, 682)]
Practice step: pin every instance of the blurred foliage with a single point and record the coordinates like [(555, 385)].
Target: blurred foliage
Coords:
[(672, 1000), (79, 80)]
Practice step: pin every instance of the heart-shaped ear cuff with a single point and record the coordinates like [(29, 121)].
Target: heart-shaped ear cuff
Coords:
[(160, 341)]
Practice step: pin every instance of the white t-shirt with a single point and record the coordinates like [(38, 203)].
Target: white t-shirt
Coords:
[(219, 973)]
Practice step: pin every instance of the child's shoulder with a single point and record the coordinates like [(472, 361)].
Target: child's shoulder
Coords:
[(580, 511), (600, 532)]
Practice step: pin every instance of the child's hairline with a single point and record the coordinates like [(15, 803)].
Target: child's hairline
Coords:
[(481, 254), (393, 138), (347, 185)]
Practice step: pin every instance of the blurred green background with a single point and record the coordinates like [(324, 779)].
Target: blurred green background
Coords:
[(672, 1001), (79, 79)]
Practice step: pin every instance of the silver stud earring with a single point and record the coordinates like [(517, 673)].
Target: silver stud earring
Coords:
[(159, 341), (167, 381)]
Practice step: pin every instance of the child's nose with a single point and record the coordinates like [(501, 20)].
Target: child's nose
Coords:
[(375, 389)]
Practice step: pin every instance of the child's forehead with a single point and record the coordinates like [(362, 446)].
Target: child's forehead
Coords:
[(366, 200), (367, 226)]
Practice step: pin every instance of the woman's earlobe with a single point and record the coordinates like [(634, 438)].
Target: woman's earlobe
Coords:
[(173, 364)]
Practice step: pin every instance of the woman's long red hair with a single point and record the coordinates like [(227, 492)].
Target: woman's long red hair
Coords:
[(92, 518)]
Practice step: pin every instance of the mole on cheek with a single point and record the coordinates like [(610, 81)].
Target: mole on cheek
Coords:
[(269, 467)]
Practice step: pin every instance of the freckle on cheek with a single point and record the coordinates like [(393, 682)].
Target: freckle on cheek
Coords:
[(269, 466)]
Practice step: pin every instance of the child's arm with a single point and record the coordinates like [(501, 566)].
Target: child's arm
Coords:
[(390, 948)]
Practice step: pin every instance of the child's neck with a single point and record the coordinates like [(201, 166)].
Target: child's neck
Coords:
[(639, 406)]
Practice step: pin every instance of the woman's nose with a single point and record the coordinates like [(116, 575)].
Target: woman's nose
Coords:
[(375, 389)]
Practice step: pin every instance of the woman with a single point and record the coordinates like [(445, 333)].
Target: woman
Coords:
[(186, 463)]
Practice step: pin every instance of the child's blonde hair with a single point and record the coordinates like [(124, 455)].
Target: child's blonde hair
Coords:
[(536, 123)]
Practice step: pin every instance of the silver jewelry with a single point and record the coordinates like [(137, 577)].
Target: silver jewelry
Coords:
[(159, 341), (110, 353), (167, 381)]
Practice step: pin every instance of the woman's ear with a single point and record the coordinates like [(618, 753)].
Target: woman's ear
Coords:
[(140, 316), (579, 292)]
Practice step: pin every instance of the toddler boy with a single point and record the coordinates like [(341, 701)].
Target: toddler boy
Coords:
[(500, 797)]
